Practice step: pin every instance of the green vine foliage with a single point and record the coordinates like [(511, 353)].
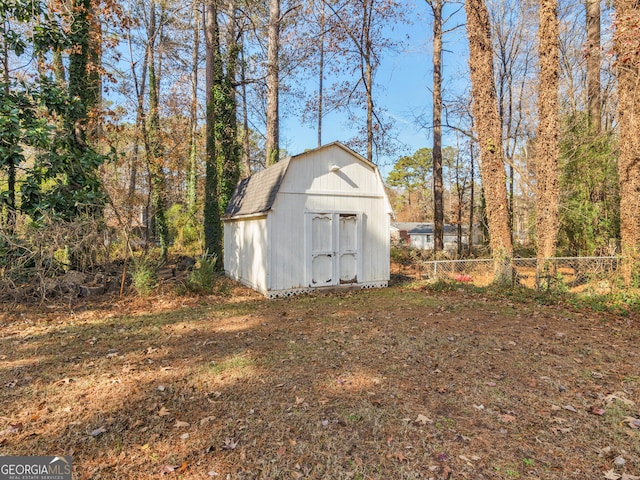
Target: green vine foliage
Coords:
[(589, 194), (41, 124)]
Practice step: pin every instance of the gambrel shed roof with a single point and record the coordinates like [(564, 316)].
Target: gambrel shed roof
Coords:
[(256, 194)]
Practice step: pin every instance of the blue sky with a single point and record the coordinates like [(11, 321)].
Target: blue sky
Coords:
[(404, 82)]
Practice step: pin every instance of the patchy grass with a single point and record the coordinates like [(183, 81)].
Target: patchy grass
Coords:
[(398, 383)]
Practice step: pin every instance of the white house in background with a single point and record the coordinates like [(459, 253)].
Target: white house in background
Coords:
[(317, 219), (420, 235)]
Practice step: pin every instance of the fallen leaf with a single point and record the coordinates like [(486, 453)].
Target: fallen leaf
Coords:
[(168, 469), (144, 447), (206, 420), (184, 436), (230, 444), (399, 456), (212, 473), (180, 424), (467, 459), (597, 411), (560, 430), (626, 476), (506, 418), (281, 451), (161, 388), (423, 419), (296, 475), (13, 428), (632, 422), (98, 431), (164, 412), (570, 408), (478, 407), (619, 396), (611, 475)]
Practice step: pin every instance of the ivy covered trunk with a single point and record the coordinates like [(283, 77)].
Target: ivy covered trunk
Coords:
[(212, 223), (627, 47), (488, 129), (229, 150), (154, 143), (547, 197), (222, 169)]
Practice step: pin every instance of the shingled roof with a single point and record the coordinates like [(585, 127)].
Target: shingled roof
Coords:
[(256, 194)]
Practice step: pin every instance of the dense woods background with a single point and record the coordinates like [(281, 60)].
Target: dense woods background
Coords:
[(125, 126)]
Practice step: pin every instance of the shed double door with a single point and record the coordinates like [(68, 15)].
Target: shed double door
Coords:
[(333, 244)]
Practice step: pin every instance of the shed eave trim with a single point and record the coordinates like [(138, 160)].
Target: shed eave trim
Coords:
[(248, 216)]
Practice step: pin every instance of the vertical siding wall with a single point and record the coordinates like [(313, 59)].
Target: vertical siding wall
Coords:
[(311, 186), (246, 251)]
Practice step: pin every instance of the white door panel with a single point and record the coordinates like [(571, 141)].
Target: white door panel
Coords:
[(332, 242)]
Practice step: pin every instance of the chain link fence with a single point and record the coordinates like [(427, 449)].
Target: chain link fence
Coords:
[(563, 273)]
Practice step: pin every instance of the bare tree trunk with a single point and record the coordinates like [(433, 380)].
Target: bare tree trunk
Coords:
[(154, 143), (192, 177), (10, 202), (438, 205), (367, 17), (95, 63), (58, 64), (547, 197), (471, 195), (369, 77), (246, 146), (626, 45), (593, 64), (488, 128), (273, 84), (321, 75), (460, 190), (139, 83)]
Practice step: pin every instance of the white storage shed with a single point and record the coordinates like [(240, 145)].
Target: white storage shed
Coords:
[(314, 220)]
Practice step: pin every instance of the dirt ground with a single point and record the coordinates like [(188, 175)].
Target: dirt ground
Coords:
[(398, 383)]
